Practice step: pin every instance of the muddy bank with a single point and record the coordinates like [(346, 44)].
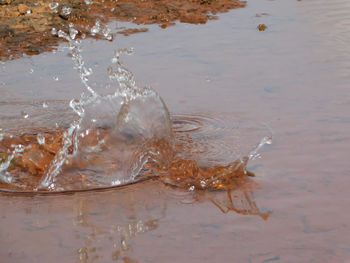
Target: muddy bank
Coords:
[(25, 26)]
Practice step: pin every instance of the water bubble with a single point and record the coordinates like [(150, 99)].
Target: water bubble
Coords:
[(24, 114), (53, 31), (40, 138), (53, 5), (66, 10), (45, 106)]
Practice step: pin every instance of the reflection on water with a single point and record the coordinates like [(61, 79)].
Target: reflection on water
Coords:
[(119, 235), (238, 200), (105, 225)]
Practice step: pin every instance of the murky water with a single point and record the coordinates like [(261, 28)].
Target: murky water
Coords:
[(292, 78)]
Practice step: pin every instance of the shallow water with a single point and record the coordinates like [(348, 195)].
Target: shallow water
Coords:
[(293, 77)]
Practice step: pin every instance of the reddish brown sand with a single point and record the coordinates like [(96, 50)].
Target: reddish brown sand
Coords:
[(183, 173), (25, 26)]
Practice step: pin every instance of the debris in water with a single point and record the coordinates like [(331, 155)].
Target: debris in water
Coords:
[(262, 27), (129, 31)]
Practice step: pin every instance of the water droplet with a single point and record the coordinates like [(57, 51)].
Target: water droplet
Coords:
[(117, 182), (45, 106), (254, 154), (124, 245), (62, 34), (112, 9), (73, 32), (66, 10), (24, 114), (87, 72), (77, 107), (53, 31), (53, 5), (268, 140), (56, 78), (31, 71), (96, 28), (29, 11), (88, 2), (40, 138), (191, 188), (107, 33)]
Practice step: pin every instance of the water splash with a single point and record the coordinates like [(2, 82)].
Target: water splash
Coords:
[(5, 176), (40, 138), (119, 138), (133, 117)]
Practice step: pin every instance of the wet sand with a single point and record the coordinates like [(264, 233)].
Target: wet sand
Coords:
[(25, 26), (293, 76)]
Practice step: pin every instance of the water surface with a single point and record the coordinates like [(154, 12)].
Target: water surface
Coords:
[(293, 77)]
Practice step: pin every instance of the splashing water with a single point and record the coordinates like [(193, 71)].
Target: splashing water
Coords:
[(116, 139)]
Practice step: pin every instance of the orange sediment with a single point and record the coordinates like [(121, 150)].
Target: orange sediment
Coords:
[(184, 173), (25, 26)]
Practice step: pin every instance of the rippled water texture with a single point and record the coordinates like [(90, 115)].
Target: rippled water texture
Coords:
[(120, 138), (218, 80)]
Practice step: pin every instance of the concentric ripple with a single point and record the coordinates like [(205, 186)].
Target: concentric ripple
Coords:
[(209, 153), (218, 139)]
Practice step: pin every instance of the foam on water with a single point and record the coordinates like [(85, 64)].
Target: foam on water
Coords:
[(120, 138)]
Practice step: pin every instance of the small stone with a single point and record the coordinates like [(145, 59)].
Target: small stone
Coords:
[(22, 9), (5, 2), (262, 27)]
